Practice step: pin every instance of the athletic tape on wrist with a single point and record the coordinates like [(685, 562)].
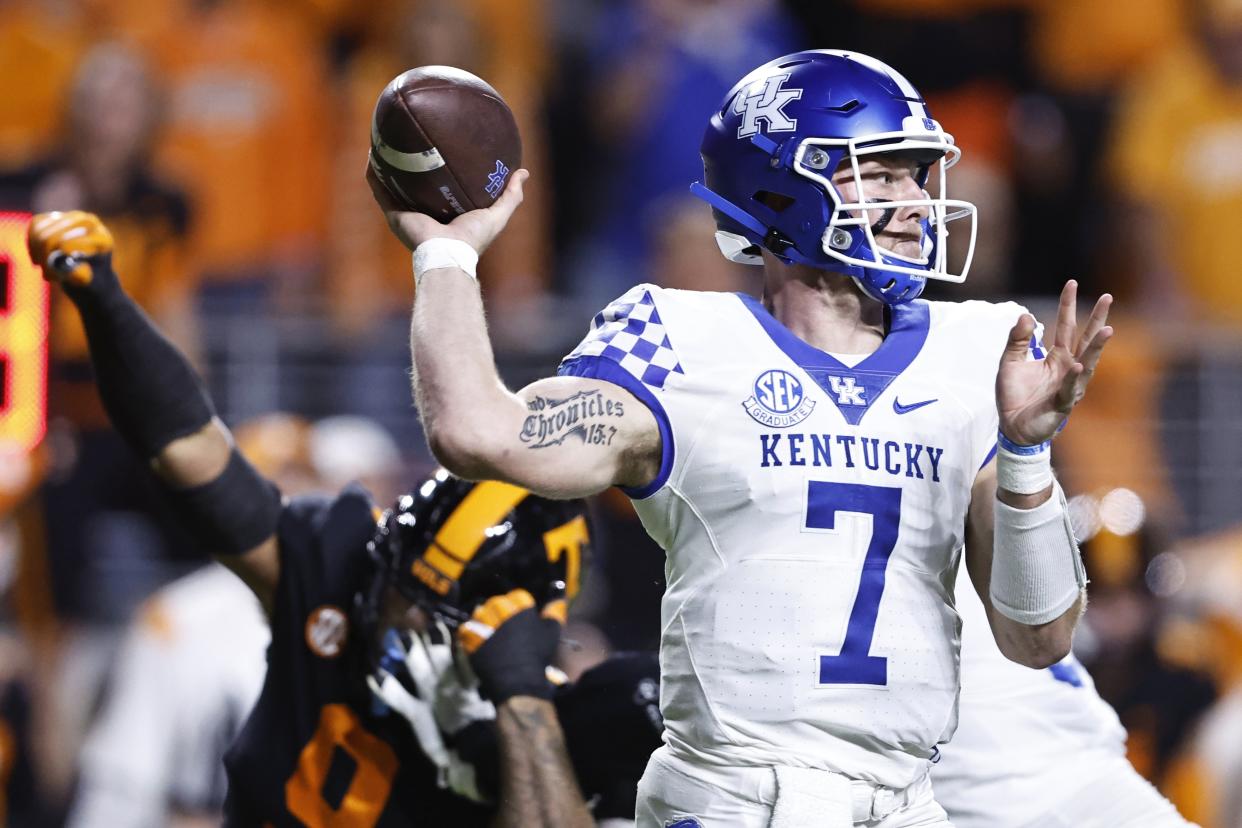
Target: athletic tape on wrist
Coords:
[(1037, 571), (1023, 469), (437, 253)]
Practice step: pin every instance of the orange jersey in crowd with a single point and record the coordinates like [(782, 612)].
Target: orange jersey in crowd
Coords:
[(1090, 45), (504, 43), (1176, 152), (38, 51), (248, 125)]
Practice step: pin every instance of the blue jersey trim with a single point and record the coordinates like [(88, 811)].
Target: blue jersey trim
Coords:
[(988, 459), (1067, 672), (602, 368), (910, 323)]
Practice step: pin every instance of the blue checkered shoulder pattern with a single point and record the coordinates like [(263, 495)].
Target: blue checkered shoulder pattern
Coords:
[(629, 332)]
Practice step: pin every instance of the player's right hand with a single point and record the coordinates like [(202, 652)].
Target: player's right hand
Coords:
[(477, 228), (510, 644), (64, 243)]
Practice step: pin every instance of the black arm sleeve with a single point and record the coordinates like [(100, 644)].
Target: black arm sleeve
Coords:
[(153, 397), (233, 513), (148, 388)]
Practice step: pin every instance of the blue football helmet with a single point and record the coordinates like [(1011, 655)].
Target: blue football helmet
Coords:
[(770, 151)]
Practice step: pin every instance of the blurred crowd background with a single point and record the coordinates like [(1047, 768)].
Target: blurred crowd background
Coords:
[(224, 142)]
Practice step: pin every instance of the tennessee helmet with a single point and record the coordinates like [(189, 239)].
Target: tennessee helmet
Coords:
[(451, 544), (771, 149)]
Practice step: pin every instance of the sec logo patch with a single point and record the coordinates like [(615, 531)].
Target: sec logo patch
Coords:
[(778, 400), (326, 630)]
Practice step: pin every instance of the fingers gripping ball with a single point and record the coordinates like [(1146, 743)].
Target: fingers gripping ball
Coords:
[(510, 644), (443, 141), (61, 243)]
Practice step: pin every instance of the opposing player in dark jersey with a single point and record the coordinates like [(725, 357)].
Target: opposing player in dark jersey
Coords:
[(347, 606), (353, 597)]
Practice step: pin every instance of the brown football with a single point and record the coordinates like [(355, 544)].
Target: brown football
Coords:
[(443, 141)]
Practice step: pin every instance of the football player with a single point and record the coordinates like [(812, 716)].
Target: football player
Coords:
[(355, 599), (812, 463), (153, 753), (1037, 748)]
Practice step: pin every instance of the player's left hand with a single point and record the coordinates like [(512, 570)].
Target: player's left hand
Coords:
[(1033, 397)]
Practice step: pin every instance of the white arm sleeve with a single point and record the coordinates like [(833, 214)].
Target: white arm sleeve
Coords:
[(1037, 571)]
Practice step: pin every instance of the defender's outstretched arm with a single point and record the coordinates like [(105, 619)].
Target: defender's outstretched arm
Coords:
[(156, 402)]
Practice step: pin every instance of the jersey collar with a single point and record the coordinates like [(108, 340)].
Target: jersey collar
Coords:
[(853, 390)]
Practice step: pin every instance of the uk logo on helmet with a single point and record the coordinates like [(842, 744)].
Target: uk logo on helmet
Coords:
[(766, 104)]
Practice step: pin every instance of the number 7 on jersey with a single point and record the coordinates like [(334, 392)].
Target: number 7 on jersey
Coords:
[(824, 500)]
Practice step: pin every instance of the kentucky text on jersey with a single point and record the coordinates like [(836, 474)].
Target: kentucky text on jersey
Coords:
[(848, 451)]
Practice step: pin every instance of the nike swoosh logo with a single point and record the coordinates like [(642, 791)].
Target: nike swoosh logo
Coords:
[(906, 409)]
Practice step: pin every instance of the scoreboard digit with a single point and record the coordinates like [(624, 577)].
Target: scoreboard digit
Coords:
[(23, 340)]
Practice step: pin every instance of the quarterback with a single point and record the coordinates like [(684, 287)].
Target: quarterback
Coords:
[(812, 463)]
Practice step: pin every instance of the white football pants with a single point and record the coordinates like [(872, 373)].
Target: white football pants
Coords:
[(1117, 796), (674, 793)]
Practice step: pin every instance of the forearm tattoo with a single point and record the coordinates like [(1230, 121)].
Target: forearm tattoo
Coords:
[(538, 786), (587, 416)]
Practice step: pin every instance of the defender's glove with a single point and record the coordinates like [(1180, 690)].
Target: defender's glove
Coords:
[(73, 248), (445, 704), (511, 645)]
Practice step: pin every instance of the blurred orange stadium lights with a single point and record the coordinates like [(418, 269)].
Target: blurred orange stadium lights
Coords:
[(23, 344)]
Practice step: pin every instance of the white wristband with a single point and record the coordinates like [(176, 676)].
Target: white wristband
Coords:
[(434, 254), (1022, 469)]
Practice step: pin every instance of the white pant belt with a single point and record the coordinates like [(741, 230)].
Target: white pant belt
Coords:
[(874, 802), (817, 797)]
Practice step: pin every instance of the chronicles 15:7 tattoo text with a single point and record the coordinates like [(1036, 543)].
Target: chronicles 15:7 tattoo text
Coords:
[(584, 416)]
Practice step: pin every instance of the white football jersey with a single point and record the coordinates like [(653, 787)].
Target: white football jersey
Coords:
[(811, 514), (1024, 737)]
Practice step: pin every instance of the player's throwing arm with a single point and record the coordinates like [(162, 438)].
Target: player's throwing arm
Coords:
[(559, 437)]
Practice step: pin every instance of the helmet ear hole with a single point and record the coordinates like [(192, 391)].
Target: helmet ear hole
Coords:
[(776, 202)]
